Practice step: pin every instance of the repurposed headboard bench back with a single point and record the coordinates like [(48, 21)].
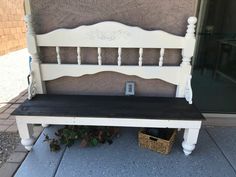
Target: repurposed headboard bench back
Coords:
[(112, 35)]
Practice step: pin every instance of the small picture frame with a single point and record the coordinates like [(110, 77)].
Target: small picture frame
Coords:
[(129, 88)]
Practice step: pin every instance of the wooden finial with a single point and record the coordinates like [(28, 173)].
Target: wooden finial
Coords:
[(27, 7), (191, 27)]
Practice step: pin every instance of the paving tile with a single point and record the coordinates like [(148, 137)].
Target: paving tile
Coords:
[(9, 110), (4, 106), (6, 122), (21, 100), (4, 115), (12, 101), (40, 162), (225, 138), (8, 169), (13, 128), (23, 92), (18, 97), (17, 157), (11, 118), (25, 96), (3, 128), (20, 148), (14, 106)]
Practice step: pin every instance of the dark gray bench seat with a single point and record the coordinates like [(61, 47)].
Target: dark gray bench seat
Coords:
[(109, 107)]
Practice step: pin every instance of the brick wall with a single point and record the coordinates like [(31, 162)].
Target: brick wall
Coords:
[(12, 26)]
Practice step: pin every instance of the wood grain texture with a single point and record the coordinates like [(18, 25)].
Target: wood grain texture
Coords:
[(170, 16), (170, 74), (112, 34), (109, 107)]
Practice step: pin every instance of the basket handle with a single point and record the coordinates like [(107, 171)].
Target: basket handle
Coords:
[(153, 139)]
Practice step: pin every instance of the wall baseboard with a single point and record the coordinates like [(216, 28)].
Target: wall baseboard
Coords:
[(219, 120)]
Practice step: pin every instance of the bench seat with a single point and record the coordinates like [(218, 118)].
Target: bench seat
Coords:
[(125, 111), (109, 107)]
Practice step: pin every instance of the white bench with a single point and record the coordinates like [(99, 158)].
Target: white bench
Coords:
[(70, 110)]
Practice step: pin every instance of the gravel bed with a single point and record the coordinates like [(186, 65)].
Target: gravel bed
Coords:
[(8, 142)]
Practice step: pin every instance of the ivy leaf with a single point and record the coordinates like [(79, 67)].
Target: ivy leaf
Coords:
[(54, 145), (94, 142), (66, 132), (46, 138)]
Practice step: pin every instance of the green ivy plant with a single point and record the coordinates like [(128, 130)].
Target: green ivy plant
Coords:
[(87, 135)]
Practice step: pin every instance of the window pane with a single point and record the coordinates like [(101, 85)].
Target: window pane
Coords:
[(214, 74)]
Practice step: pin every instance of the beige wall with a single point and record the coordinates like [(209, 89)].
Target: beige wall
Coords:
[(12, 26), (168, 15)]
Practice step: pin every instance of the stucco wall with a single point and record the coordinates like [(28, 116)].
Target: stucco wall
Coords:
[(168, 15), (12, 26)]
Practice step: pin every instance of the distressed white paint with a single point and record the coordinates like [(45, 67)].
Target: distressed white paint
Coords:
[(190, 136), (140, 60), (184, 89), (27, 143), (171, 74), (116, 35), (111, 34), (191, 27), (188, 49), (45, 125), (162, 51), (26, 134), (188, 91), (36, 84), (78, 56), (32, 86), (58, 55), (119, 56), (181, 87), (121, 122), (99, 56), (190, 140)]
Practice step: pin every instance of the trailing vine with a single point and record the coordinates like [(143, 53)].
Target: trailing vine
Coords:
[(87, 135)]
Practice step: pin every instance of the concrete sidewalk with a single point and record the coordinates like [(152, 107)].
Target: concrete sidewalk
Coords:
[(214, 156), (14, 68)]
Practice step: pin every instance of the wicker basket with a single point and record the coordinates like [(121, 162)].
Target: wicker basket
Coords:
[(156, 144)]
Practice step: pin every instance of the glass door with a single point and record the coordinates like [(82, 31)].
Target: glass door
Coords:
[(214, 73)]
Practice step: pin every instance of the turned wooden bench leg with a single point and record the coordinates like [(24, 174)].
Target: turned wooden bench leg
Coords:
[(26, 134), (190, 140), (45, 125)]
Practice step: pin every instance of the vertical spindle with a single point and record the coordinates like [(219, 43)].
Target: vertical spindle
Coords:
[(58, 55), (78, 56), (119, 56), (140, 61), (162, 51), (99, 56)]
